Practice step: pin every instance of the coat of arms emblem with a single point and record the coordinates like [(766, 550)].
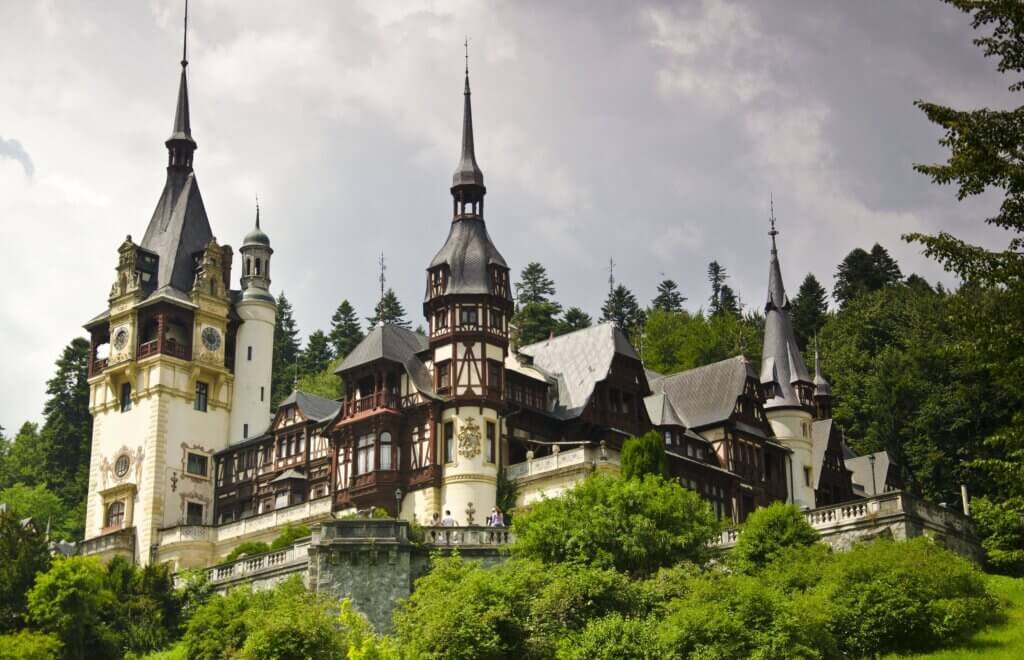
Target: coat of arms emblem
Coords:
[(469, 439)]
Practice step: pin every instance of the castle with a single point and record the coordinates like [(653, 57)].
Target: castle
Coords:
[(188, 459)]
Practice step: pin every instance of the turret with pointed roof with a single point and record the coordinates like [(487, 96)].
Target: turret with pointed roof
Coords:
[(783, 372)]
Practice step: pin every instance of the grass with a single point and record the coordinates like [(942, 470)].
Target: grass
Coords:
[(1005, 640)]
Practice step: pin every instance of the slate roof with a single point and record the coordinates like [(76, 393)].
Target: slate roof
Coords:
[(394, 343), (469, 252), (706, 395), (821, 433), (781, 361), (861, 468), (579, 360), (287, 475), (178, 229), (312, 406), (467, 173), (661, 412)]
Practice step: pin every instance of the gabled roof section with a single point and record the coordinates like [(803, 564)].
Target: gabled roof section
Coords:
[(396, 344), (661, 412), (861, 468), (579, 360), (707, 395), (178, 230), (312, 406), (821, 435)]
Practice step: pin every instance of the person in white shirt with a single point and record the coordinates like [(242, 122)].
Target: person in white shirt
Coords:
[(447, 521)]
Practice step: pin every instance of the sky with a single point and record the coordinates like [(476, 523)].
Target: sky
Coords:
[(649, 133)]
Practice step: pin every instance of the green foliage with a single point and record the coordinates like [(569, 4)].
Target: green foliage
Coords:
[(809, 311), (43, 506), (768, 532), (676, 341), (219, 625), (323, 383), (67, 430), (388, 311), (886, 596), (506, 494), (293, 628), (247, 548), (24, 553), (635, 526), (346, 332), (622, 309), (70, 601), (534, 285), (289, 535), (644, 455), (1001, 526), (28, 645), (573, 319), (614, 637), (668, 299), (286, 352), (24, 459), (317, 355), (862, 272), (535, 322), (723, 300)]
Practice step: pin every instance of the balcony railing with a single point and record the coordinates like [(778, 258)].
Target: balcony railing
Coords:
[(381, 401), (558, 460), (296, 555), (170, 347), (121, 540), (187, 534), (98, 365), (474, 536)]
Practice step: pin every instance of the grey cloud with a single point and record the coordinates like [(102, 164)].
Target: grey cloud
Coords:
[(12, 149)]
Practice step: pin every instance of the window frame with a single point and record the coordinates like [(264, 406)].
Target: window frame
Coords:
[(126, 397), (109, 513), (202, 399), (448, 440), (189, 520), (205, 474)]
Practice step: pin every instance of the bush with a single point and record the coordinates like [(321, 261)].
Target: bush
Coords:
[(768, 532), (644, 455), (1001, 527), (247, 548), (27, 645), (289, 535), (614, 637), (23, 554), (72, 602), (632, 525), (902, 596)]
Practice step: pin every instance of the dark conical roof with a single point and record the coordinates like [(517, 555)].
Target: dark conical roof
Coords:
[(182, 122), (256, 236), (469, 252), (467, 173), (821, 385), (781, 361)]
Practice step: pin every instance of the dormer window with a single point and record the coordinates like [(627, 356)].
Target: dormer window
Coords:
[(438, 282), (469, 316)]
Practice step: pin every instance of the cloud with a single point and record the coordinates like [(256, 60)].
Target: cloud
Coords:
[(12, 149)]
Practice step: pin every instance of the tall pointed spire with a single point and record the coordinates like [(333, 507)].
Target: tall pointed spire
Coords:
[(782, 364), (467, 173), (180, 145)]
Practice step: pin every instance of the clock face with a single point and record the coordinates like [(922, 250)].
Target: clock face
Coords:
[(121, 338), (211, 338)]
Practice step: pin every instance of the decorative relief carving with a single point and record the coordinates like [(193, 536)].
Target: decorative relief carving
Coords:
[(118, 469), (469, 439)]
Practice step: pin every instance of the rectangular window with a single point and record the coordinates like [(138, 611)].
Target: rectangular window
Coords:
[(126, 397), (468, 316), (494, 375), (248, 354), (262, 392), (245, 431), (807, 476), (492, 441), (197, 464), (443, 376), (449, 442), (497, 319), (193, 513), (441, 319), (365, 458), (202, 393)]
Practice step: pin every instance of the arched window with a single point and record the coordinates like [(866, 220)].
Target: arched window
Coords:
[(248, 266), (115, 514), (257, 265), (385, 450)]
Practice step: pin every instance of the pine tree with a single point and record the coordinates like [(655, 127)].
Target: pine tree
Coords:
[(622, 309), (537, 316), (809, 310), (534, 285), (25, 459), (717, 276), (389, 311), (346, 332), (286, 352), (573, 319), (317, 355), (861, 272), (66, 436), (668, 299)]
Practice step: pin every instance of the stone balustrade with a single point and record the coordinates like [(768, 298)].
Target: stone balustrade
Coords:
[(118, 542), (474, 536), (581, 456), (187, 533), (287, 560), (897, 515), (297, 513)]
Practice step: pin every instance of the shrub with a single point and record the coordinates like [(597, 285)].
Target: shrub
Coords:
[(247, 548), (1001, 527), (72, 602), (644, 455), (632, 525), (614, 637), (768, 532), (904, 596), (23, 554), (28, 645), (289, 535)]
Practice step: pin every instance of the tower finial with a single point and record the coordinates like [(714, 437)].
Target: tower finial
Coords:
[(257, 210), (611, 275), (184, 41), (466, 44), (773, 232), (383, 279), (468, 173)]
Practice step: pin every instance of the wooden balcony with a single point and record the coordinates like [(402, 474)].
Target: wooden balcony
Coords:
[(169, 347), (379, 402)]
